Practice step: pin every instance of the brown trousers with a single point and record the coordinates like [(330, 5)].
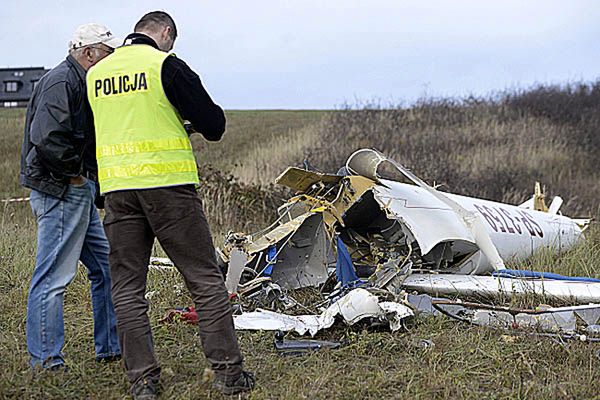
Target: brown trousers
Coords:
[(175, 216)]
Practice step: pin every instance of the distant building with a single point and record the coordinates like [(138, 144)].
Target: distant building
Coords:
[(16, 85)]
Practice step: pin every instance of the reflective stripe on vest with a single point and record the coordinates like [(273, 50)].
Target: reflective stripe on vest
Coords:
[(140, 139)]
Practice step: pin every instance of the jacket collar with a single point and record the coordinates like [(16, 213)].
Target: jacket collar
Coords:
[(140, 38), (78, 68)]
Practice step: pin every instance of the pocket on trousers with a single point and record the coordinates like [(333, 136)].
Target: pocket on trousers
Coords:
[(42, 203), (36, 201)]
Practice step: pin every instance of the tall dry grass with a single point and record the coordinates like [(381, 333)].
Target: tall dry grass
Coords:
[(490, 148), (494, 148), (264, 163), (231, 205), (11, 138)]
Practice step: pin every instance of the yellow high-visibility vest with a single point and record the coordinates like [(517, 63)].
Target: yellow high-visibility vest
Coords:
[(140, 139)]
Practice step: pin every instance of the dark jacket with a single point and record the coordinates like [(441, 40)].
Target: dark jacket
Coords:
[(59, 131), (185, 92)]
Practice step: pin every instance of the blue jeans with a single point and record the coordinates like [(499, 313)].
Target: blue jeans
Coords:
[(69, 230)]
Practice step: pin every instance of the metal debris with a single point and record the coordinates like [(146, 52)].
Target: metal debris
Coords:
[(237, 262), (570, 320), (495, 287), (355, 306), (299, 347)]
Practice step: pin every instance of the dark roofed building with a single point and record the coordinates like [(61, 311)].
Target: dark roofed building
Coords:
[(16, 85)]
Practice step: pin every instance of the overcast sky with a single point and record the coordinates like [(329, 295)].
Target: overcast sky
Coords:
[(322, 54)]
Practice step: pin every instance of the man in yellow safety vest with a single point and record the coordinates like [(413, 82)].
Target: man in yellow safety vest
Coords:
[(140, 96)]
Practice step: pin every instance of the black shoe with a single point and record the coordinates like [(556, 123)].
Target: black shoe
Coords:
[(227, 385), (145, 389), (55, 364), (58, 368)]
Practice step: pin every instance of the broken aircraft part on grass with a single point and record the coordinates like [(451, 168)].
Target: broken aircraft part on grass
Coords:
[(358, 304), (288, 347), (575, 321), (491, 287), (391, 229), (579, 322)]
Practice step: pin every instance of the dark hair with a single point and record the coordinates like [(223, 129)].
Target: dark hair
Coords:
[(156, 19)]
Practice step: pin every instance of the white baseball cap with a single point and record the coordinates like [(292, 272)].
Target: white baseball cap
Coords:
[(88, 34)]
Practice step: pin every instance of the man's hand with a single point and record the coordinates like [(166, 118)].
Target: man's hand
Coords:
[(78, 180), (189, 128)]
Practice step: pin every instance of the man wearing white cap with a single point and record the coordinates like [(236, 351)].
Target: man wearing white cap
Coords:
[(58, 164)]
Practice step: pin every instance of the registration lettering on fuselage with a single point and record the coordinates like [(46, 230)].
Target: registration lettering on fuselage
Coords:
[(503, 220)]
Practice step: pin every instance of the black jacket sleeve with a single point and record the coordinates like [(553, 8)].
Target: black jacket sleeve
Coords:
[(185, 92), (52, 132)]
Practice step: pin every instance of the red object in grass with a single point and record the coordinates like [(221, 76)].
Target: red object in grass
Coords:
[(185, 314)]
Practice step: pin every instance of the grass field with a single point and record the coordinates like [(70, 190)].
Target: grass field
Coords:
[(466, 362)]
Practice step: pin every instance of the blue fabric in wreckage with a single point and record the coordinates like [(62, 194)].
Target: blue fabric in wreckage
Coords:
[(344, 269), (524, 273), (271, 260)]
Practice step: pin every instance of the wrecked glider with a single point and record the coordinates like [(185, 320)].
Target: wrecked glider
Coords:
[(374, 233), (389, 228)]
